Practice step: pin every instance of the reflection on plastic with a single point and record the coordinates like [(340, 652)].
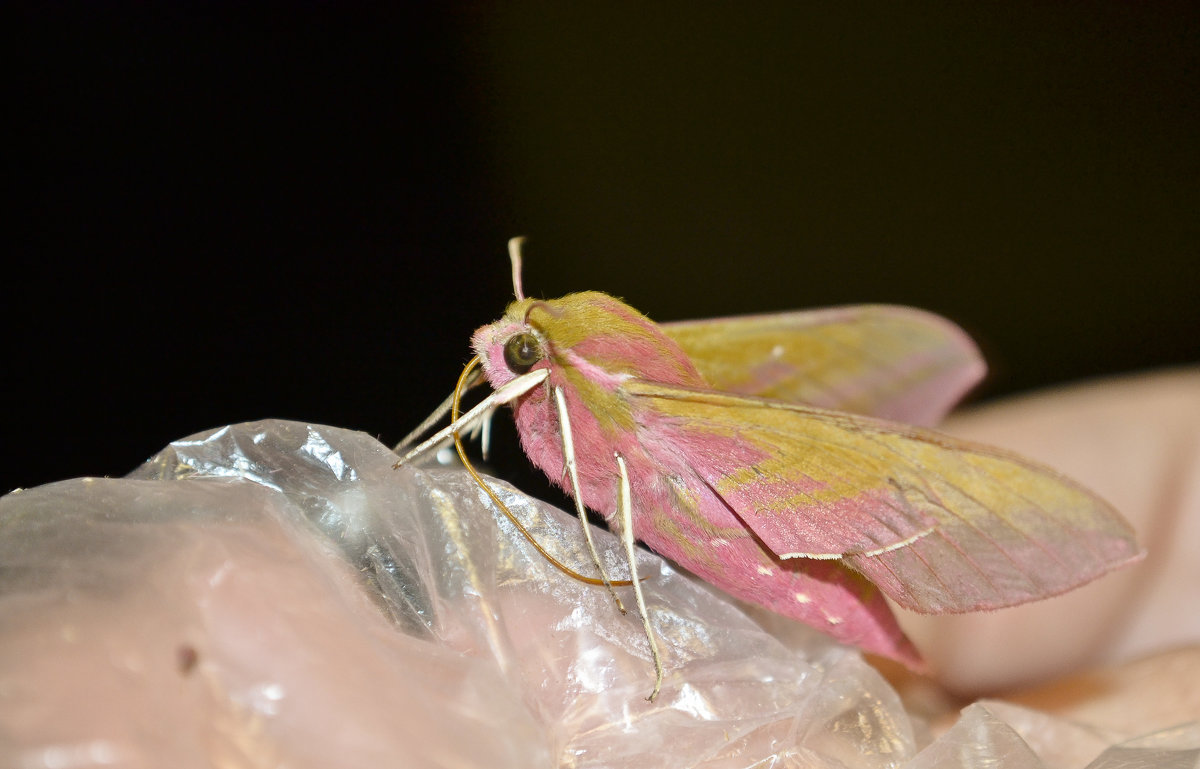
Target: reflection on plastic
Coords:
[(274, 594)]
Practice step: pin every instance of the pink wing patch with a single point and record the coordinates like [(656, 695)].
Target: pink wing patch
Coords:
[(800, 503), (998, 530), (968, 566), (682, 519)]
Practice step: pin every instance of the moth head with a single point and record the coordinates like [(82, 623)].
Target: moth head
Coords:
[(588, 334), (512, 345)]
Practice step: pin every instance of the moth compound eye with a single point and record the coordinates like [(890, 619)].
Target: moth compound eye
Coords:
[(521, 352)]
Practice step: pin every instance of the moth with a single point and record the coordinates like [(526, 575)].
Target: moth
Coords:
[(763, 455)]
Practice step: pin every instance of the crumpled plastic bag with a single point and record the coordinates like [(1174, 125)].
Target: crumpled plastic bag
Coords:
[(274, 594)]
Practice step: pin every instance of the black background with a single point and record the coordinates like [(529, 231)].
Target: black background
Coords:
[(301, 212)]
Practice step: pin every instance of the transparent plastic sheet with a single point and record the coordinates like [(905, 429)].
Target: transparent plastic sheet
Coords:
[(275, 594)]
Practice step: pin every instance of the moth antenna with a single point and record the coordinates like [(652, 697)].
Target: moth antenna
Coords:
[(514, 255), (544, 307)]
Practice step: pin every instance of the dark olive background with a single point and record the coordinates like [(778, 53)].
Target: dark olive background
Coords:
[(301, 212)]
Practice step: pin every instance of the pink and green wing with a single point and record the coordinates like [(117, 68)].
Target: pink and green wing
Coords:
[(940, 525), (884, 361), (680, 517)]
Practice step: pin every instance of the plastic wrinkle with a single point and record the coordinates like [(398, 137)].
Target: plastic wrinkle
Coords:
[(273, 594)]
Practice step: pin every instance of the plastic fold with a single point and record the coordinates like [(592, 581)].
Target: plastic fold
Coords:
[(274, 594)]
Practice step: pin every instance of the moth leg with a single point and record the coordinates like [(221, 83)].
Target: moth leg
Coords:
[(482, 430), (507, 393), (568, 447), (485, 434), (625, 516), (442, 410)]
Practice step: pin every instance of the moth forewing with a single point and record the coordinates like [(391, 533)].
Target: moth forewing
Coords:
[(885, 361)]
